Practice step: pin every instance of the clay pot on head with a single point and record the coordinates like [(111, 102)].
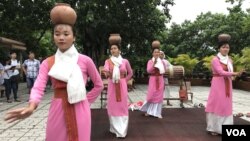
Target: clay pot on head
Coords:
[(115, 39), (62, 13), (224, 37), (156, 44)]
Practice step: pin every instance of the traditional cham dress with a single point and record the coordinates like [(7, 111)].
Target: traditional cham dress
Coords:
[(219, 104), (68, 122), (120, 72), (153, 105)]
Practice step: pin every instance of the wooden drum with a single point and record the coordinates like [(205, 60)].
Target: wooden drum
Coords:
[(176, 72)]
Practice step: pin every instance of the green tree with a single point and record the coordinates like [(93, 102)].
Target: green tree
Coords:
[(199, 38), (138, 22), (25, 20)]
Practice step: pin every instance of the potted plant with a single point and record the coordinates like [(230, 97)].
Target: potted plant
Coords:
[(242, 62), (207, 64), (187, 62)]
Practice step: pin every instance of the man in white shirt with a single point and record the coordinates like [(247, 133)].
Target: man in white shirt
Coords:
[(1, 74), (15, 63), (167, 65), (1, 80)]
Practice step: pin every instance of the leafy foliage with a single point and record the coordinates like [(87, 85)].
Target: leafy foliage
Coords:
[(246, 58), (199, 38), (25, 20), (237, 61), (185, 61), (207, 62), (139, 22), (242, 62)]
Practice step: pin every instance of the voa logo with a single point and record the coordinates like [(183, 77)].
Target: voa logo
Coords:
[(236, 132)]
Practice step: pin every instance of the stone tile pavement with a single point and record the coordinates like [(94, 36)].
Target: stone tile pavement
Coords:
[(33, 128)]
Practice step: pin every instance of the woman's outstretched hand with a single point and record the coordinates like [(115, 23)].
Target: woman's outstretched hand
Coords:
[(20, 113), (238, 74)]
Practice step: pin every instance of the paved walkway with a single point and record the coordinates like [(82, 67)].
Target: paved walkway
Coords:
[(33, 128)]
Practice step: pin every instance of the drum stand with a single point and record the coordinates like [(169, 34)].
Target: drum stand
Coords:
[(186, 86)]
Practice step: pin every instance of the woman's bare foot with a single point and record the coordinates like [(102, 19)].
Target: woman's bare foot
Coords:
[(214, 134), (160, 117)]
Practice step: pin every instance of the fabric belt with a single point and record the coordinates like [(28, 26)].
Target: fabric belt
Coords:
[(227, 84), (69, 114), (118, 87), (122, 75)]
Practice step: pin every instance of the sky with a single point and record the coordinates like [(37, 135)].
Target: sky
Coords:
[(190, 9)]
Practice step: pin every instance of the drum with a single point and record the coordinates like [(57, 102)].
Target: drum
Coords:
[(176, 72)]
